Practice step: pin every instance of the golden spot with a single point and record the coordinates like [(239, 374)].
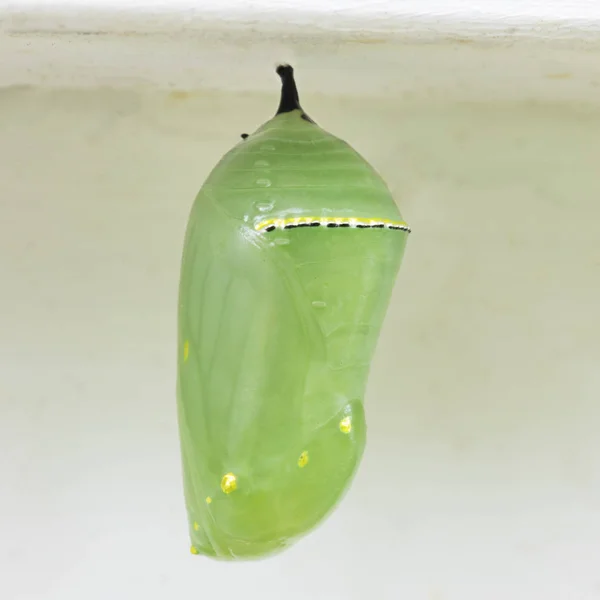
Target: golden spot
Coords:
[(196, 526), (229, 483), (208, 499), (303, 460), (559, 75), (186, 350), (194, 550), (346, 425)]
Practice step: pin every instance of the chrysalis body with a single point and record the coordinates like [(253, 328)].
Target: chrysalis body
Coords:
[(291, 253)]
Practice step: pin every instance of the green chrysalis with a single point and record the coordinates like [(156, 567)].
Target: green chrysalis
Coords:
[(292, 249)]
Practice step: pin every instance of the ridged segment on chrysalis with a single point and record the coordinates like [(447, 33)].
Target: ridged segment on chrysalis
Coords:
[(292, 249)]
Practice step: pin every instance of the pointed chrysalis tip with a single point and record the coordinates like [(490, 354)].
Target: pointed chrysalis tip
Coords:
[(289, 92), (283, 70)]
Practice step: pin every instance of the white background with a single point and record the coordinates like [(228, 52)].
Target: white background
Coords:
[(482, 474)]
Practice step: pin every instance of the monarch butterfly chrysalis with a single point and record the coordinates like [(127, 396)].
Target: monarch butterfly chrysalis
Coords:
[(291, 252)]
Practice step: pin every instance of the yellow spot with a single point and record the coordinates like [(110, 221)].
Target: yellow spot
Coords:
[(229, 483), (196, 526), (346, 425), (303, 460), (194, 550), (186, 350), (208, 499)]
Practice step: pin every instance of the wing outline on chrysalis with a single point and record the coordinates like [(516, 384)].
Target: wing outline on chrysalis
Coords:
[(290, 256)]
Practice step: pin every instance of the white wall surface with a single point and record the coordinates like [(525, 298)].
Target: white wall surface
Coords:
[(482, 474)]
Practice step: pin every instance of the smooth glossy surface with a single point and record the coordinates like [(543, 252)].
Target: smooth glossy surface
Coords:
[(277, 329)]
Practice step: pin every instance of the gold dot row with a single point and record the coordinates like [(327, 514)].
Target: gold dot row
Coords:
[(229, 481)]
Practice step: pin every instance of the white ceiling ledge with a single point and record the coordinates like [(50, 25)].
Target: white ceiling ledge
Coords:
[(478, 51), (538, 17)]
